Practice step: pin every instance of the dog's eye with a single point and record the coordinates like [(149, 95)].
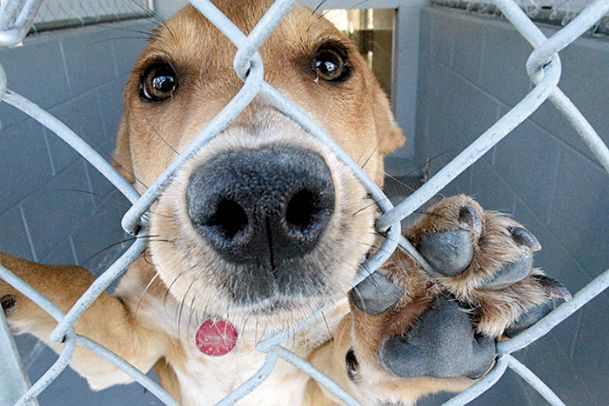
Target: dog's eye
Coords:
[(158, 82), (331, 64)]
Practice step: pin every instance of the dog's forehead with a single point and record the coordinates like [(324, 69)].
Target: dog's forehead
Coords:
[(189, 33)]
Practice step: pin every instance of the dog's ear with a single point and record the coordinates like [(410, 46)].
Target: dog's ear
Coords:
[(122, 154), (390, 136)]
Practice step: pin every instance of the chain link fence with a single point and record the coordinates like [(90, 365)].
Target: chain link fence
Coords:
[(559, 12), (56, 14), (544, 69)]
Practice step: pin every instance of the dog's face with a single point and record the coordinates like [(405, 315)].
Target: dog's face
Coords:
[(264, 222)]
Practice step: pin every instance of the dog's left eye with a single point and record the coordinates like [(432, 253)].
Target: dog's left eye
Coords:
[(158, 82), (331, 64)]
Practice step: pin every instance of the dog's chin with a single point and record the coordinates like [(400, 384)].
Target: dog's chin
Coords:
[(280, 310)]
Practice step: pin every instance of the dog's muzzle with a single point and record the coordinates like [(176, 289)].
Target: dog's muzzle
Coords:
[(262, 207)]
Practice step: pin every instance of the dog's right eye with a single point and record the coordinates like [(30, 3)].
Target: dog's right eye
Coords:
[(158, 82)]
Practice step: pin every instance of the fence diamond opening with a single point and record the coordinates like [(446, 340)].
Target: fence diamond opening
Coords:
[(544, 69)]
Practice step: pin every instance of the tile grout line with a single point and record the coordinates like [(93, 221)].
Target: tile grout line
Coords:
[(27, 233), (65, 68)]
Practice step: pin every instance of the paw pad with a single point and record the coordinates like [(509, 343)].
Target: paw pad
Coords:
[(442, 344), (523, 237), (510, 273), (557, 294), (448, 252), (375, 294)]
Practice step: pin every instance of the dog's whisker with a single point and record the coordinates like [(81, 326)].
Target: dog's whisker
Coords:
[(326, 324), (145, 257), (117, 28), (150, 14), (321, 3), (337, 12), (156, 132), (129, 172), (364, 208), (139, 302), (157, 19), (101, 41), (116, 244), (169, 288), (408, 187), (374, 282), (192, 310), (370, 156), (182, 306), (363, 302)]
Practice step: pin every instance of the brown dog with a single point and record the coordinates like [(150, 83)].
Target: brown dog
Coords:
[(265, 225)]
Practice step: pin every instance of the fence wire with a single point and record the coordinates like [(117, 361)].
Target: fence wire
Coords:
[(544, 69), (548, 11), (55, 14)]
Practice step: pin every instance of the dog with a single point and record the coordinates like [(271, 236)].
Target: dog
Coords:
[(265, 224)]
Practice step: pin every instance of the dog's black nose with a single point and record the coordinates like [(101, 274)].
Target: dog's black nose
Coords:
[(262, 206)]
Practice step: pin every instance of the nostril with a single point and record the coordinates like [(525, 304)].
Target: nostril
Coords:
[(303, 211), (263, 206), (229, 218)]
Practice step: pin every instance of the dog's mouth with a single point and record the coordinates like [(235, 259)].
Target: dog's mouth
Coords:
[(272, 231), (265, 212)]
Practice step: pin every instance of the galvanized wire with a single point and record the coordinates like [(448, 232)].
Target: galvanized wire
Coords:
[(54, 14), (555, 12), (544, 69)]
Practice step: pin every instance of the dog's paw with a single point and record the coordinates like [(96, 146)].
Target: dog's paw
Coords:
[(443, 325), (485, 260)]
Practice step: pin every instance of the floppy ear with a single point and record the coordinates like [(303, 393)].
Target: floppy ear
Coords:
[(390, 136), (122, 154)]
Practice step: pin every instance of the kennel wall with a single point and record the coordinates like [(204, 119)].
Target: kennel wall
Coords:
[(54, 206)]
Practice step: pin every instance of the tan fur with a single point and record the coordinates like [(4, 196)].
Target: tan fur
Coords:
[(496, 309), (166, 294)]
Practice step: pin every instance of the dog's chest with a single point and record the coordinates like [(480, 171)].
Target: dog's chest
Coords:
[(206, 380)]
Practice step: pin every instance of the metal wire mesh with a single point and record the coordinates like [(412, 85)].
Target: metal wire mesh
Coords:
[(57, 10), (544, 69), (548, 11), (54, 14)]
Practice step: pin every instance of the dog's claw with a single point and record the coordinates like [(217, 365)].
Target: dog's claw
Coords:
[(375, 294), (448, 252), (532, 316), (442, 344), (8, 302), (523, 237), (510, 273), (557, 295), (471, 218)]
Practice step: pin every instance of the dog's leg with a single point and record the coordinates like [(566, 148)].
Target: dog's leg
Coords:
[(108, 321), (410, 334)]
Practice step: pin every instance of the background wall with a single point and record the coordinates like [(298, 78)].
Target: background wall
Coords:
[(54, 207), (471, 72)]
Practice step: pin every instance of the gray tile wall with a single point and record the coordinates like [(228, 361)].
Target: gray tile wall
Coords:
[(471, 72), (54, 207)]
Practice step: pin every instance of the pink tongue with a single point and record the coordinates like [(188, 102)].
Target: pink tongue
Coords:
[(216, 339)]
